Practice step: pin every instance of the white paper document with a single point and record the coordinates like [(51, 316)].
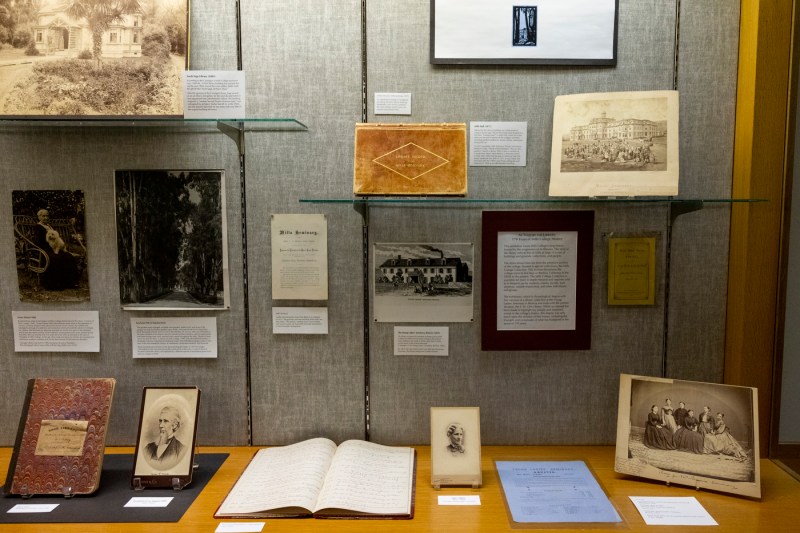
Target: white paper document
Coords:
[(174, 337), (22, 508), (240, 527), (213, 94), (409, 340), (56, 331), (537, 275), (498, 144), (554, 491), (300, 320), (676, 511), (299, 257), (149, 502), (392, 103)]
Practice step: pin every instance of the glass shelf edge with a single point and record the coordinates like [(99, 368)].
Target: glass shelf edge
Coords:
[(247, 124), (576, 200)]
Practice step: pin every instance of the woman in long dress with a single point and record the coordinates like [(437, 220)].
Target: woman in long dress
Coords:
[(668, 420), (655, 434), (687, 438), (722, 442), (706, 424)]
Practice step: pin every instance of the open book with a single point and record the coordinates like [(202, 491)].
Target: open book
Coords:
[(357, 479)]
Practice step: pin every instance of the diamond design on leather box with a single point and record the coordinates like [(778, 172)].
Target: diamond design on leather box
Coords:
[(411, 161)]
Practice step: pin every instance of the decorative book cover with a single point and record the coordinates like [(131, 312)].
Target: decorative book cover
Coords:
[(61, 436), (410, 159)]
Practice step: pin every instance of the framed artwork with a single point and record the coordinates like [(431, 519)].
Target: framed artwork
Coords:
[(537, 280), (109, 59), (165, 441), (456, 446), (615, 144), (515, 32), (172, 243), (50, 245), (423, 282), (704, 435)]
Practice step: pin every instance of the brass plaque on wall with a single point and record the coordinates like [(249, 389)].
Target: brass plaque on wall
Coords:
[(410, 159)]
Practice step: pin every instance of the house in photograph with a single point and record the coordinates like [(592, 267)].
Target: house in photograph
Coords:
[(57, 33), (425, 270)]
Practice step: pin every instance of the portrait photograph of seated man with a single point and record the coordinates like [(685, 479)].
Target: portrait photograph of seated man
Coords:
[(50, 245)]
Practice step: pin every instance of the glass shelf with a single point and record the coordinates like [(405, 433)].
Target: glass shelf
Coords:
[(383, 200), (175, 123)]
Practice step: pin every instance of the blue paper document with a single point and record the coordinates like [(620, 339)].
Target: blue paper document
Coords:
[(554, 491)]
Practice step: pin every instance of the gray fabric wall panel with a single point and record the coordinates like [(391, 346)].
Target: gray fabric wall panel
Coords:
[(522, 395), (303, 61), (85, 158), (707, 83)]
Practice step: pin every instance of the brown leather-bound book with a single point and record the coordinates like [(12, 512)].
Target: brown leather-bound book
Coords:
[(61, 437), (410, 159)]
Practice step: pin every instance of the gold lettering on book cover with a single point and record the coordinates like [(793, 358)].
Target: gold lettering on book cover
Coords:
[(411, 161)]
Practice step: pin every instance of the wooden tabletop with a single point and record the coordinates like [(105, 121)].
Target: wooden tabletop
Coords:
[(778, 510)]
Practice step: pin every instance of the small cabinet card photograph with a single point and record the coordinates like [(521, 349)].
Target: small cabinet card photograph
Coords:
[(515, 32), (166, 439), (704, 435), (109, 58), (456, 446), (615, 144), (416, 282), (410, 159), (299, 257), (172, 239)]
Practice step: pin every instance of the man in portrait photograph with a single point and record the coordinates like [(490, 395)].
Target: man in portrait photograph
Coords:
[(166, 450)]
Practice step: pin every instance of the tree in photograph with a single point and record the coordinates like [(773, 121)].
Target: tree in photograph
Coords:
[(7, 21), (100, 14)]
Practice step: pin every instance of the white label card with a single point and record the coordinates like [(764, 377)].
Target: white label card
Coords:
[(56, 331), (149, 502), (409, 340), (460, 500), (174, 337), (213, 94), (33, 508), (498, 144), (392, 103), (240, 527), (672, 511), (300, 320)]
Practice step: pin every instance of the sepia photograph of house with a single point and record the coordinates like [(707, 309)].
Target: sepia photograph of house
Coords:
[(92, 57)]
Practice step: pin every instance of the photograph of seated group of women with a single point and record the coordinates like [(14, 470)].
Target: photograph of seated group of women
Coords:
[(699, 428)]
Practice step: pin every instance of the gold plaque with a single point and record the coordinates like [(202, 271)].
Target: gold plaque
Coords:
[(410, 159)]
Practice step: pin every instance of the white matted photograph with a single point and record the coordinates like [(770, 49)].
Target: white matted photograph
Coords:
[(423, 282), (172, 239), (511, 32), (456, 446), (704, 435), (110, 58), (166, 438), (615, 144)]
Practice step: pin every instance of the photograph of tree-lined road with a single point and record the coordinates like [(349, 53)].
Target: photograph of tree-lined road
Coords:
[(92, 57)]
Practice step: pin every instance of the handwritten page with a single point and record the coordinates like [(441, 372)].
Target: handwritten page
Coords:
[(276, 478), (369, 478)]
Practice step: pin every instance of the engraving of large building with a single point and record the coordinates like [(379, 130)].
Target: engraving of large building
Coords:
[(603, 127)]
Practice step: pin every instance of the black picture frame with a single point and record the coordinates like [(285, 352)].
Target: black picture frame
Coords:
[(495, 222), (546, 47)]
